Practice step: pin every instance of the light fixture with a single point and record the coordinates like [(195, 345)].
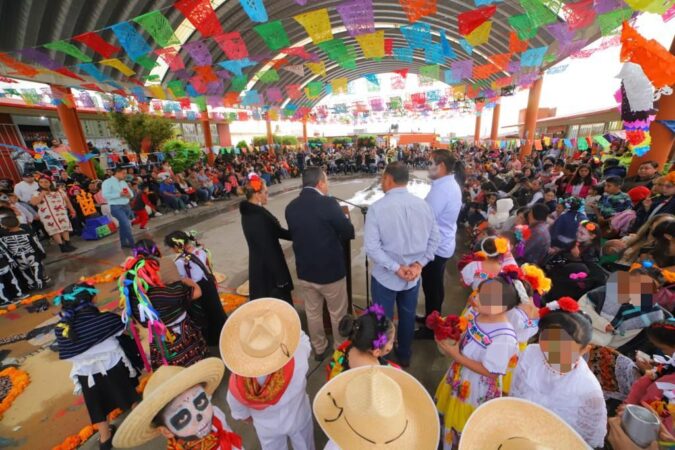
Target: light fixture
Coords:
[(43, 118)]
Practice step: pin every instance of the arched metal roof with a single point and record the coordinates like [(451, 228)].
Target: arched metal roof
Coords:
[(31, 23)]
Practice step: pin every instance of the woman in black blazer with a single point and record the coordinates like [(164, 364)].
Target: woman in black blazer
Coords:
[(267, 270)]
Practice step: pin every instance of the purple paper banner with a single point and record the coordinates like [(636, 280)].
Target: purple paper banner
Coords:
[(357, 16), (40, 58), (462, 69), (199, 52)]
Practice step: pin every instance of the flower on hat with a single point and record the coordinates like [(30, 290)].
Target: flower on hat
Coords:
[(255, 182)]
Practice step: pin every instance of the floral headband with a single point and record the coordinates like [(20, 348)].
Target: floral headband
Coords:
[(82, 288), (652, 269), (378, 311), (566, 304), (590, 226), (501, 246), (255, 182)]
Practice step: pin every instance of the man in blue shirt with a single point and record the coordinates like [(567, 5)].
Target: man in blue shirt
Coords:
[(170, 195), (116, 191), (445, 199), (401, 237)]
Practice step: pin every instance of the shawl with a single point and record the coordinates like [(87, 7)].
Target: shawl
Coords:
[(90, 326)]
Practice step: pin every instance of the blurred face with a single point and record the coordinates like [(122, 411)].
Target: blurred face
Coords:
[(521, 219), (44, 183), (612, 188), (489, 299), (29, 180), (549, 196), (323, 185), (632, 287), (535, 185), (560, 350), (646, 171), (120, 174), (583, 235), (668, 189), (583, 172), (436, 170)]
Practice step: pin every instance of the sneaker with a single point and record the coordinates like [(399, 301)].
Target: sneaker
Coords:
[(189, 206), (66, 249), (176, 212), (70, 246), (19, 298), (158, 214), (194, 205)]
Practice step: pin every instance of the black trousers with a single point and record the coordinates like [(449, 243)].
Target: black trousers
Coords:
[(432, 284)]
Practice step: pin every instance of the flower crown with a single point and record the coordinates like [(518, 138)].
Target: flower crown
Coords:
[(501, 246), (652, 269), (566, 304), (255, 182), (378, 311), (540, 283), (590, 226)]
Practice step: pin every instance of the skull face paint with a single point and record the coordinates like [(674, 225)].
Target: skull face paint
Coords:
[(190, 414)]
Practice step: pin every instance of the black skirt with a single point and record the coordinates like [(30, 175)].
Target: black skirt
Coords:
[(213, 310), (111, 391)]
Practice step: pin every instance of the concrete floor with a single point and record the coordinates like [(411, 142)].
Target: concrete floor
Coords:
[(222, 234)]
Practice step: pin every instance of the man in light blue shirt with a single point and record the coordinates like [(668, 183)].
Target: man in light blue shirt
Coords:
[(117, 193), (401, 237), (445, 199)]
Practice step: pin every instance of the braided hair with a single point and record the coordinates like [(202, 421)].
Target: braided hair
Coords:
[(73, 299), (370, 331), (178, 239)]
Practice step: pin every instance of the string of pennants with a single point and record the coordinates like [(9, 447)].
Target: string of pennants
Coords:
[(582, 144), (139, 43)]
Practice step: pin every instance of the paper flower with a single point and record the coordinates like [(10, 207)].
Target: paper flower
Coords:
[(567, 304), (502, 245), (450, 327), (536, 277)]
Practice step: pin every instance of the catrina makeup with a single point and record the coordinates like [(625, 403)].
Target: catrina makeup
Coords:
[(189, 415)]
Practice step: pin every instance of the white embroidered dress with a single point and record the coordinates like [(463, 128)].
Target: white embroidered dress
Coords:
[(576, 396)]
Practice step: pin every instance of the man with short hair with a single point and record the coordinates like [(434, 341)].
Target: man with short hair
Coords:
[(445, 199), (170, 195), (318, 227), (401, 237), (26, 188), (117, 193), (539, 243), (647, 174)]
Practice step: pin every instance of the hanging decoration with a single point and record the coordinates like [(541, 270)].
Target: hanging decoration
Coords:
[(339, 85), (200, 13), (480, 35), (97, 43), (357, 16), (274, 35), (158, 27), (172, 57), (119, 65), (132, 42), (232, 45), (255, 9), (656, 62), (68, 49), (416, 9), (418, 35), (470, 20), (579, 14), (318, 68), (199, 52), (317, 25), (372, 44)]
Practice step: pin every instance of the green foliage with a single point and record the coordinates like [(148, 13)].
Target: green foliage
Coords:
[(366, 140), (70, 168), (133, 128), (316, 141), (262, 140), (289, 140), (181, 155), (344, 141), (242, 144)]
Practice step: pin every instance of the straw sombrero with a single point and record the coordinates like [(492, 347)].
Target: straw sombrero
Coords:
[(260, 337), (163, 386), (515, 424), (377, 407)]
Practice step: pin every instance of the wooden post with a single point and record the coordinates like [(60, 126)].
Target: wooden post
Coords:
[(494, 133), (208, 140), (476, 132), (531, 118)]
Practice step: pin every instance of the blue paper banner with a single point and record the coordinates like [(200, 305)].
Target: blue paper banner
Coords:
[(132, 42)]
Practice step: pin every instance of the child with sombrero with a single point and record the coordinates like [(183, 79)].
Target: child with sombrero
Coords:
[(177, 405), (264, 347)]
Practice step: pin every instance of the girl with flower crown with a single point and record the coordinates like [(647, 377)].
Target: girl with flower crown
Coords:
[(369, 338), (554, 374), (480, 358), (494, 255)]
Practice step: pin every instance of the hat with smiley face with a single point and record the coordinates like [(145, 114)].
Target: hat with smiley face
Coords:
[(167, 383), (377, 407)]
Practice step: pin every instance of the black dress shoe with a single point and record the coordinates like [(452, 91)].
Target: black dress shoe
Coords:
[(424, 333), (420, 319)]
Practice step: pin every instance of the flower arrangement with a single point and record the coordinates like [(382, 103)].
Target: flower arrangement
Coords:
[(20, 380), (522, 233), (567, 304), (449, 327)]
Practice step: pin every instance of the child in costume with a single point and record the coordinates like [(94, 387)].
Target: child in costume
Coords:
[(481, 357), (138, 205), (554, 374), (374, 408), (369, 338), (487, 263), (177, 405), (194, 262), (101, 370), (264, 347), (166, 310), (26, 251)]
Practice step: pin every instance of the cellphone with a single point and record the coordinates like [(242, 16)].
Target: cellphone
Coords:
[(642, 356)]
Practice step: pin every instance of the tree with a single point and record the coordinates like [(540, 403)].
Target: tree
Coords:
[(181, 155), (242, 144), (366, 140), (135, 128), (344, 141)]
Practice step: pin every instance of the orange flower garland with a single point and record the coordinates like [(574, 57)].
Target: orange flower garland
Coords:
[(231, 301), (75, 440), (20, 380)]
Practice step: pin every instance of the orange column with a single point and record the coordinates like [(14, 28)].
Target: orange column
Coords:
[(476, 131), (224, 135), (270, 137), (494, 133), (304, 132), (663, 140), (531, 118), (72, 127), (208, 140)]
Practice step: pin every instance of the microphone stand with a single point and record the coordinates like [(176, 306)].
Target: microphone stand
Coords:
[(364, 211)]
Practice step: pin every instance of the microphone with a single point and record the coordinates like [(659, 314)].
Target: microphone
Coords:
[(364, 209)]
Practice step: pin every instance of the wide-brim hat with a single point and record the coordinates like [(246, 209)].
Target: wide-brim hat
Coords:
[(163, 386), (260, 337), (377, 408), (511, 423)]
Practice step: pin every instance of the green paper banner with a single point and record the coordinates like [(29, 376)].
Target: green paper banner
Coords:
[(176, 87), (582, 144), (200, 102), (269, 76), (68, 49), (604, 143), (158, 27), (273, 34), (146, 62), (239, 83), (612, 20), (523, 26)]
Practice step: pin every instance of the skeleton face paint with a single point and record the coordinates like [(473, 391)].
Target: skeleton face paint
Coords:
[(189, 415)]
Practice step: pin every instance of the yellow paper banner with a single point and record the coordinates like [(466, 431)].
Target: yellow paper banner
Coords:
[(119, 65), (339, 85), (480, 35), (273, 114), (317, 68), (156, 91), (547, 140), (372, 44), (317, 24), (653, 6)]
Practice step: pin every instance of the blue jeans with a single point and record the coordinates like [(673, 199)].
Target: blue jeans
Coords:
[(123, 214), (406, 303)]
